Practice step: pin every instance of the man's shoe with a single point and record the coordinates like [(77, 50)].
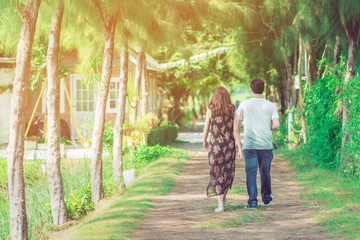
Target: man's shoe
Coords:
[(272, 199), (251, 207)]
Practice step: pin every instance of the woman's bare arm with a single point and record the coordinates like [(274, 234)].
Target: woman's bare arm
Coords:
[(237, 126), (206, 128)]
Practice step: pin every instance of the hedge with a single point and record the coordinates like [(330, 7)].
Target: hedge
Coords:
[(162, 135)]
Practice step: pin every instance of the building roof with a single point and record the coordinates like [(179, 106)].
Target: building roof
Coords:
[(151, 63), (7, 60)]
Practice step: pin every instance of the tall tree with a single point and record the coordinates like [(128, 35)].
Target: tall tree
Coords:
[(301, 94), (15, 149), (144, 89), (137, 83), (58, 207), (350, 15), (108, 19), (315, 22), (120, 117)]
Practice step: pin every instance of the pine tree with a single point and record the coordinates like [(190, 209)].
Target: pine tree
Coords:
[(15, 149), (58, 207)]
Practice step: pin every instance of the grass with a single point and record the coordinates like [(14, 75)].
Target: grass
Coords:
[(76, 179), (37, 195), (180, 141), (119, 216), (245, 216), (335, 197), (241, 219)]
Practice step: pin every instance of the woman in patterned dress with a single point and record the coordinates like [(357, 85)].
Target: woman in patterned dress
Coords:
[(224, 140)]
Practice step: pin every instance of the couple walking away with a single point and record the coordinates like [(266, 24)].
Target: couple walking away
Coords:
[(260, 117)]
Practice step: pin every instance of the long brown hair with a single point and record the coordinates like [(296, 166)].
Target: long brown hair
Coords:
[(220, 103)]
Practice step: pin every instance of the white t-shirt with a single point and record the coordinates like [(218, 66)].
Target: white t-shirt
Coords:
[(256, 114)]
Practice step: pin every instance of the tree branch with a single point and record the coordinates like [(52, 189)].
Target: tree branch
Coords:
[(101, 12), (19, 6)]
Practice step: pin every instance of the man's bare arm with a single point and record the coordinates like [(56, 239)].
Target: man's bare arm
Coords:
[(275, 124)]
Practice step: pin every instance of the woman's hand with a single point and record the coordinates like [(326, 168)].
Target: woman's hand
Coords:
[(240, 155), (206, 145)]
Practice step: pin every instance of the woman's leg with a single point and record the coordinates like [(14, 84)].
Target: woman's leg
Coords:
[(225, 193), (220, 203)]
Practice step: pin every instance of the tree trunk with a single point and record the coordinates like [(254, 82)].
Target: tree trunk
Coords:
[(284, 95), (267, 84), (120, 118), (177, 114), (320, 65), (137, 82), (160, 106), (97, 191), (206, 102), (337, 52), (144, 88), (15, 149), (58, 206), (186, 98), (202, 111), (312, 64), (301, 95), (193, 106), (352, 28), (289, 82)]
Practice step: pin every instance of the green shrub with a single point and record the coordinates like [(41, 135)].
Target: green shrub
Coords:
[(351, 97), (279, 136), (323, 127), (162, 135), (171, 133), (323, 109), (77, 192), (144, 155), (108, 134), (80, 203)]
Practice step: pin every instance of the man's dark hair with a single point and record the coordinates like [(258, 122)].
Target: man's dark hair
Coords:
[(257, 86)]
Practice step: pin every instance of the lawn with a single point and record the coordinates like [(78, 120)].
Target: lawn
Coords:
[(333, 197)]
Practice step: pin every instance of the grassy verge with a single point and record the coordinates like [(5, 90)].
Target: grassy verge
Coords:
[(77, 189), (76, 179), (334, 197), (120, 214)]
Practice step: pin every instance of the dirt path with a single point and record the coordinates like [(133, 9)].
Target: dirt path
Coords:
[(187, 213)]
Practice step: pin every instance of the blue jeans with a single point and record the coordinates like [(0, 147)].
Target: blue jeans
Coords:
[(253, 158)]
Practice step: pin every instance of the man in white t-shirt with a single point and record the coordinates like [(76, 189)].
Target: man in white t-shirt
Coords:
[(260, 117)]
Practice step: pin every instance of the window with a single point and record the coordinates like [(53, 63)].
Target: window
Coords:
[(84, 97), (112, 103)]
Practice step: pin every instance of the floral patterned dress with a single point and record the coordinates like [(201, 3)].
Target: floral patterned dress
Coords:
[(221, 155)]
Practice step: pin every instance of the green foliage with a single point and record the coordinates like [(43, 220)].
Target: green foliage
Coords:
[(279, 136), (323, 126), (144, 155), (324, 116), (4, 202), (142, 127), (351, 97), (335, 197), (124, 212), (79, 204), (108, 138), (37, 195), (323, 108), (163, 135), (38, 66), (76, 179)]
